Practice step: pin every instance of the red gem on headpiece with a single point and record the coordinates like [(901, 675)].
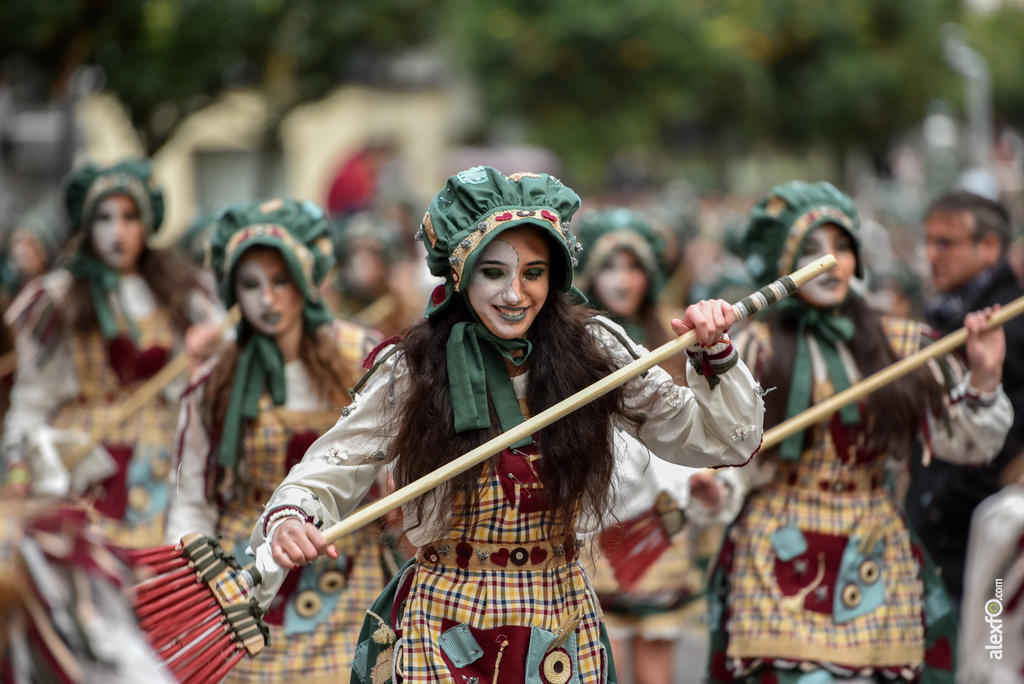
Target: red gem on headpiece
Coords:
[(437, 296), (507, 216), (549, 216)]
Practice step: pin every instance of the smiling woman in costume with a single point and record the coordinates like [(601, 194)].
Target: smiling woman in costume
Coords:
[(251, 413), (820, 577), (88, 335), (496, 576)]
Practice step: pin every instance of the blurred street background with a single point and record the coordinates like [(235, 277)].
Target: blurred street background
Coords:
[(690, 109)]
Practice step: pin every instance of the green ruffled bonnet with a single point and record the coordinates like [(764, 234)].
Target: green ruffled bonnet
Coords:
[(299, 231), (474, 207)]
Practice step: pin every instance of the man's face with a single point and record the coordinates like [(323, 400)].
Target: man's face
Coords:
[(954, 253)]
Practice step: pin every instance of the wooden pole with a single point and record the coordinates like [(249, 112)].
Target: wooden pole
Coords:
[(859, 390), (783, 287)]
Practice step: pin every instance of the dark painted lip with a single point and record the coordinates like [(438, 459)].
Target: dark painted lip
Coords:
[(513, 318)]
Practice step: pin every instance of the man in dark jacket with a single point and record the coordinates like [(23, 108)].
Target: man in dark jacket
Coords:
[(966, 238)]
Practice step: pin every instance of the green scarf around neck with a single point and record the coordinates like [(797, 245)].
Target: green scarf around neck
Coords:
[(476, 370), (829, 329), (260, 366), (103, 282)]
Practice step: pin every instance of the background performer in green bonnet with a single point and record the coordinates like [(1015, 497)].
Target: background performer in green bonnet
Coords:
[(820, 575), (251, 413), (650, 593), (496, 575), (622, 270), (88, 334)]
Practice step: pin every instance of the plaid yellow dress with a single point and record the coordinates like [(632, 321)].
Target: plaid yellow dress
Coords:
[(315, 618), (821, 569), (129, 506), (490, 602)]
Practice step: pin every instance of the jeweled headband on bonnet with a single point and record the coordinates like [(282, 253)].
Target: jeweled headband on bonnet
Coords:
[(474, 207), (84, 190), (299, 232), (779, 223)]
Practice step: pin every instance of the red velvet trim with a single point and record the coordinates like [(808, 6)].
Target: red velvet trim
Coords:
[(371, 358), (113, 499), (298, 445), (791, 583), (437, 296), (515, 470), (400, 597), (749, 458), (724, 354), (500, 557), (940, 655), (511, 669), (718, 668), (129, 364)]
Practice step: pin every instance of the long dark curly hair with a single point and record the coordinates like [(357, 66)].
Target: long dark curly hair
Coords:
[(893, 413), (577, 462)]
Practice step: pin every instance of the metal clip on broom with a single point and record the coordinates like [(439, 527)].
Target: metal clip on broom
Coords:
[(201, 629)]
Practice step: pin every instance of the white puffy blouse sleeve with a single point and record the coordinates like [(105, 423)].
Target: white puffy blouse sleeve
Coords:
[(700, 425), (341, 466)]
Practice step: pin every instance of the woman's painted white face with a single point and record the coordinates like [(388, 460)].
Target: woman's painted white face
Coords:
[(831, 287), (117, 233), (621, 284), (270, 300), (509, 283)]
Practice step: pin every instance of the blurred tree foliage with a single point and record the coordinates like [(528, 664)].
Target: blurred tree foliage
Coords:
[(586, 77), (165, 58), (712, 76), (999, 37)]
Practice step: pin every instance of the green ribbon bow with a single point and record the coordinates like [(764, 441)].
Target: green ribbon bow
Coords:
[(260, 365), (103, 281), (476, 369), (829, 329)]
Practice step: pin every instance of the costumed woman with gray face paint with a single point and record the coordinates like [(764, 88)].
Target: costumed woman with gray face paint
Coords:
[(251, 413), (88, 335), (820, 577), (496, 576)]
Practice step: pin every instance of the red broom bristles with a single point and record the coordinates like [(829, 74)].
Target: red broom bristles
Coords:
[(192, 662), (188, 636), (155, 554), (176, 581), (214, 664), (195, 633), (167, 566), (226, 667), (163, 634), (183, 596), (156, 584)]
